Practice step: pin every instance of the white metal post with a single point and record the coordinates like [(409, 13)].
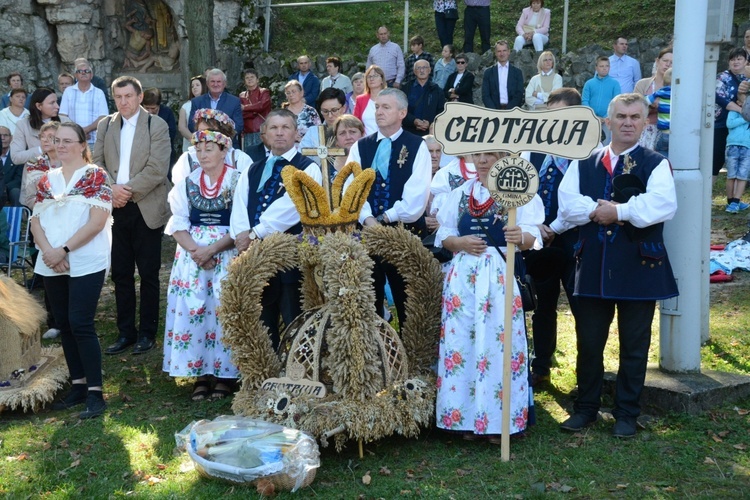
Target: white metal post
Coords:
[(686, 234)]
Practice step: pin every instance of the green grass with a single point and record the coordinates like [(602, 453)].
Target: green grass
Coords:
[(349, 30), (130, 452)]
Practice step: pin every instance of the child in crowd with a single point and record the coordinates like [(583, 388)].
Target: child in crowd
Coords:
[(598, 92), (416, 44), (737, 161), (444, 67), (662, 101)]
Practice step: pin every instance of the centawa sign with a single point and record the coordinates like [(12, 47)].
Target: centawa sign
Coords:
[(572, 132)]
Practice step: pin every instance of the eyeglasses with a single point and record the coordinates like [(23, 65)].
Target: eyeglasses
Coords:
[(66, 142), (422, 68), (373, 77), (83, 71), (460, 62), (332, 111), (5, 135)]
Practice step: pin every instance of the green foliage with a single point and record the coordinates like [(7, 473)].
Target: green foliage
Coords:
[(244, 38)]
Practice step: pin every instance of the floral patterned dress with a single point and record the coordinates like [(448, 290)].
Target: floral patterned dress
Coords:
[(470, 367), (193, 337)]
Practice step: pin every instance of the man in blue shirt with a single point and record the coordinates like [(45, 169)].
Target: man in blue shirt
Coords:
[(599, 91), (310, 83), (623, 68)]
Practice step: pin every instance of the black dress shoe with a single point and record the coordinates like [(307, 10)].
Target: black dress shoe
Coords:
[(577, 422), (121, 345), (624, 428), (143, 345)]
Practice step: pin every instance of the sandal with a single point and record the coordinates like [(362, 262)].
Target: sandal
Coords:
[(201, 388), (222, 389)]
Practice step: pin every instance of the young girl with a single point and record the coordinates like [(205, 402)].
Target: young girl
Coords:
[(444, 67)]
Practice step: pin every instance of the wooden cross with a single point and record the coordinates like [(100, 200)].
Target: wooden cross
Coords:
[(327, 156)]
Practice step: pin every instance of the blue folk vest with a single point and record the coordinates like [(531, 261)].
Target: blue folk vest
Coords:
[(609, 263), (385, 192)]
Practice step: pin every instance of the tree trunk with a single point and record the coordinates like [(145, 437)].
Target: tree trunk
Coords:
[(199, 24)]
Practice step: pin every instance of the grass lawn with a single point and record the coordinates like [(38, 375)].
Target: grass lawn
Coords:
[(130, 452)]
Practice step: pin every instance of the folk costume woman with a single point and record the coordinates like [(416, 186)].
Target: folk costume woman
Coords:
[(201, 205), (470, 366)]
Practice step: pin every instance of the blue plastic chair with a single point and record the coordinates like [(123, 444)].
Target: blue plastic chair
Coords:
[(18, 236)]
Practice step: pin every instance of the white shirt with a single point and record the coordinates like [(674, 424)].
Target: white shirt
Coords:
[(528, 217), (235, 158), (416, 192), (368, 118), (278, 217), (179, 204), (84, 107), (502, 78), (657, 204), (9, 120), (62, 217), (440, 186), (127, 133)]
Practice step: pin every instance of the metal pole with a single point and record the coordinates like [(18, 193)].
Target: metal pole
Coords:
[(685, 235), (565, 27), (406, 27), (267, 34)]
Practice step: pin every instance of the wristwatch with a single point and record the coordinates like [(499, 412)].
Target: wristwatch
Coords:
[(253, 235)]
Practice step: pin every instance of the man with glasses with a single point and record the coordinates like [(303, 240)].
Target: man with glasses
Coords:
[(84, 103), (426, 100), (331, 104)]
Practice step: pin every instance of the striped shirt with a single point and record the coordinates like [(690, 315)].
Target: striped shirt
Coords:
[(390, 58)]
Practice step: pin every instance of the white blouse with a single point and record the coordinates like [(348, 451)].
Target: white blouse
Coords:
[(368, 118), (528, 217), (65, 208), (178, 199), (235, 158)]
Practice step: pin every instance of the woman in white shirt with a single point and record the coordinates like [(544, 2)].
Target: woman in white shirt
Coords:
[(544, 82), (72, 230)]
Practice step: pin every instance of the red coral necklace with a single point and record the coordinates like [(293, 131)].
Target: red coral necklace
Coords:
[(208, 192), (477, 209)]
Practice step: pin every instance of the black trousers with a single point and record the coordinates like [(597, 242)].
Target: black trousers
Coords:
[(476, 17), (135, 244), (73, 302), (634, 333), (445, 28), (280, 297), (549, 267)]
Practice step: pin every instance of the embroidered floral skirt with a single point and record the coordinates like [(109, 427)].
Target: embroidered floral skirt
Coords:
[(192, 337), (470, 367)]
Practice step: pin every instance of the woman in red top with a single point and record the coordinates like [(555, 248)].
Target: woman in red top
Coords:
[(256, 104)]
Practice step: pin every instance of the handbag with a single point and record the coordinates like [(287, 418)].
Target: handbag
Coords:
[(526, 287), (441, 254)]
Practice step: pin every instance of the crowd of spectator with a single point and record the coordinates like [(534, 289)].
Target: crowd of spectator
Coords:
[(224, 193)]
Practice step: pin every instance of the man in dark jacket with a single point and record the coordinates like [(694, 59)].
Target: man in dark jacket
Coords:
[(426, 100), (502, 86)]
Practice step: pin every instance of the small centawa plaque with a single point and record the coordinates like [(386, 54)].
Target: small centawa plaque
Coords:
[(513, 181)]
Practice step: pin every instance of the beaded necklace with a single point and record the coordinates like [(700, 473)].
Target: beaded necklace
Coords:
[(207, 192), (477, 209)]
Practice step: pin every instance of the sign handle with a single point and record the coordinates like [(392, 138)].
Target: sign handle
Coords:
[(510, 264)]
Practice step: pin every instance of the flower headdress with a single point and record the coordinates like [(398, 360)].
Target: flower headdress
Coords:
[(213, 114), (212, 136)]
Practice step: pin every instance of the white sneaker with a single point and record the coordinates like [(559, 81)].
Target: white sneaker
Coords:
[(52, 333)]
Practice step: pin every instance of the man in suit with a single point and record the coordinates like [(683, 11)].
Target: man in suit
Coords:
[(621, 260), (133, 146), (426, 100), (217, 98), (402, 185), (261, 150), (10, 173), (502, 87), (262, 207), (310, 83)]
